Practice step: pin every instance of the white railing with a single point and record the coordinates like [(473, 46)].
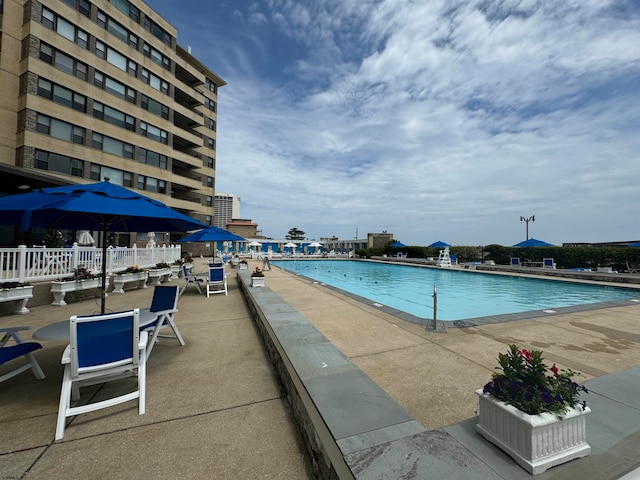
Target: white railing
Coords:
[(32, 264)]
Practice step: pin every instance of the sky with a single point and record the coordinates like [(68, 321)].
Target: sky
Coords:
[(429, 119)]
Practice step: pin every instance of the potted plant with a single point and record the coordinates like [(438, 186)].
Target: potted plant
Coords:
[(159, 273), (533, 412), (176, 268), (243, 265), (81, 279), (130, 274), (257, 278), (20, 292)]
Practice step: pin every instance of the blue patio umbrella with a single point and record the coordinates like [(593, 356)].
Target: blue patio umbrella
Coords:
[(212, 234), (397, 244), (532, 242), (101, 206), (636, 244), (439, 244)]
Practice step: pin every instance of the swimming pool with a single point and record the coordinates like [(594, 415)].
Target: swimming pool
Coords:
[(461, 294)]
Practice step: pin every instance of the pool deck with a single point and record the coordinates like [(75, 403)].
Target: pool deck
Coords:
[(216, 410)]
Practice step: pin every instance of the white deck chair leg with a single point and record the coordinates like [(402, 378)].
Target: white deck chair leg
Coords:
[(65, 402)]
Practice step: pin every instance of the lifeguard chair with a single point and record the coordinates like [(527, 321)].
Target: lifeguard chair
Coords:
[(444, 259)]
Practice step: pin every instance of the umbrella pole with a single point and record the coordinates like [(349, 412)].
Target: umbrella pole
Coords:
[(103, 289)]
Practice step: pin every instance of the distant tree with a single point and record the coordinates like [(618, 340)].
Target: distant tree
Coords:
[(295, 234)]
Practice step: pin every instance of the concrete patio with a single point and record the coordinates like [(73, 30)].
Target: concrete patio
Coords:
[(215, 408)]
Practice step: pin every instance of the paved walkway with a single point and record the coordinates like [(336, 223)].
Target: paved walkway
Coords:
[(214, 408)]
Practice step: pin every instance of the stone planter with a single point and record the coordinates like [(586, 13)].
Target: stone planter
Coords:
[(120, 280), (20, 295), (257, 281), (60, 289), (243, 266), (176, 271), (159, 275), (535, 442)]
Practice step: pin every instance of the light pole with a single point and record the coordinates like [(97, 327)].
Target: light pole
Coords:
[(526, 220)]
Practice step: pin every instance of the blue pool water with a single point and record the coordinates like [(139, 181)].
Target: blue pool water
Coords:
[(460, 294)]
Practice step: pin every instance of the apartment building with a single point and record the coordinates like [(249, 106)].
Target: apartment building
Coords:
[(226, 208), (95, 89)]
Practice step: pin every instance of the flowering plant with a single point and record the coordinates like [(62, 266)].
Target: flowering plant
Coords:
[(530, 386), (257, 273), (162, 265), (10, 285), (80, 273), (134, 269)]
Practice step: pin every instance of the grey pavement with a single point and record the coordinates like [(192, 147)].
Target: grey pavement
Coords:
[(215, 409)]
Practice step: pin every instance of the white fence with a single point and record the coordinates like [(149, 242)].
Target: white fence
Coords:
[(29, 264)]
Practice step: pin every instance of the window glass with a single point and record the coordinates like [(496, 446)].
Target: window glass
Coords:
[(61, 130), (64, 62), (118, 30), (116, 59), (65, 29), (62, 95)]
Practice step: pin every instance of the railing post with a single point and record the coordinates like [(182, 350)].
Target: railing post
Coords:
[(75, 253), (22, 259), (135, 254)]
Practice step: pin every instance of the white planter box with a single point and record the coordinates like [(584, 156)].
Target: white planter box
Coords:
[(159, 275), (120, 280), (60, 289), (176, 271), (19, 294), (257, 281), (243, 266), (535, 442)]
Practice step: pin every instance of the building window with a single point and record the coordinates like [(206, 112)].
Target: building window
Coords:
[(209, 182), (210, 104), (155, 81), (82, 6), (69, 31), (151, 184), (211, 124), (62, 95), (156, 56), (129, 10), (153, 132), (59, 163), (211, 162), (119, 177), (114, 87), (211, 86), (209, 200), (59, 129), (211, 143), (100, 49), (157, 31), (152, 158), (112, 145), (113, 116), (154, 107)]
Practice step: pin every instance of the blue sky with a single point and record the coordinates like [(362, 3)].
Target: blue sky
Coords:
[(437, 119)]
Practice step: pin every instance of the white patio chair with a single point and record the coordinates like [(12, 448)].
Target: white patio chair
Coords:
[(190, 279), (164, 306), (20, 349), (102, 348), (216, 281)]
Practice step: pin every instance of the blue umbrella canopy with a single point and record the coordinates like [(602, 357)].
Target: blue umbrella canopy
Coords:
[(532, 242), (397, 244), (212, 234), (100, 206), (636, 244), (439, 244)]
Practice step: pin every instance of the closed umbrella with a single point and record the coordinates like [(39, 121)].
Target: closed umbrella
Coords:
[(102, 206)]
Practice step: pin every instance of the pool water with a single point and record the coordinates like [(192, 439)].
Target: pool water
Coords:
[(461, 294)]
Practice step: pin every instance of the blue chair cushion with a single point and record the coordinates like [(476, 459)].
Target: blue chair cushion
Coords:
[(16, 351)]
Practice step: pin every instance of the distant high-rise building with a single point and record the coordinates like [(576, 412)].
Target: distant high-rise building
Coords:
[(226, 208), (100, 88)]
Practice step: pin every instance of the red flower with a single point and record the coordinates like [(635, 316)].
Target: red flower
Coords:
[(526, 354), (554, 369)]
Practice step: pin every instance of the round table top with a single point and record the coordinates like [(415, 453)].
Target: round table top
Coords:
[(60, 330)]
